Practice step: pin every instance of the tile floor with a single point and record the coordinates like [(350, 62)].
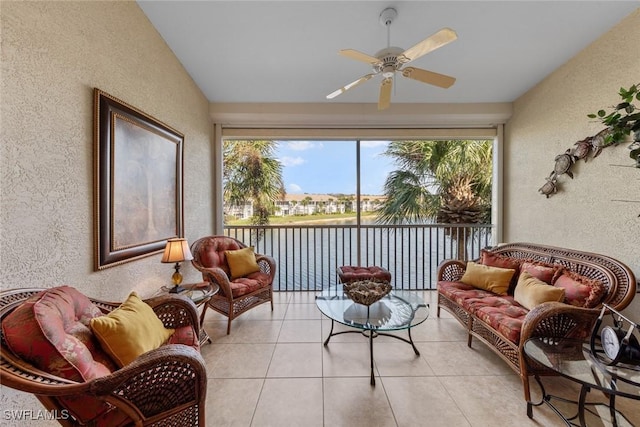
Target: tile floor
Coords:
[(273, 370)]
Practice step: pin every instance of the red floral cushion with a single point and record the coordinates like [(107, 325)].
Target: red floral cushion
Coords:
[(185, 335), (542, 271), (579, 290), (51, 331), (212, 253), (349, 273), (500, 311), (246, 285)]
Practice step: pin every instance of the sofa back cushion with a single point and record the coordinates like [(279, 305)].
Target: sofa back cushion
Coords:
[(212, 252), (500, 261)]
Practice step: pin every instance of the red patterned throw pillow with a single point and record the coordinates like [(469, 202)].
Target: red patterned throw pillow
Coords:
[(542, 271), (580, 290)]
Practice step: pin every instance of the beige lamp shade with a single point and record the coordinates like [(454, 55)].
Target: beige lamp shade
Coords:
[(177, 250)]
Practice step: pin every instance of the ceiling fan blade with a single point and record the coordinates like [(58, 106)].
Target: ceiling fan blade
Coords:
[(385, 93), (431, 43), (349, 86), (359, 56), (429, 77)]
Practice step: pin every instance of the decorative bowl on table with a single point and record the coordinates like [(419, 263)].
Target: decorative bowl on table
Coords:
[(366, 292)]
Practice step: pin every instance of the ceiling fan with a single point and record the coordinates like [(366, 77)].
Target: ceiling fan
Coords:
[(391, 59)]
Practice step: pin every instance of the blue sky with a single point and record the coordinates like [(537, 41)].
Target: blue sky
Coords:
[(322, 167)]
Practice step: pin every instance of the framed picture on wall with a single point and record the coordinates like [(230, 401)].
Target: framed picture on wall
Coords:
[(138, 182)]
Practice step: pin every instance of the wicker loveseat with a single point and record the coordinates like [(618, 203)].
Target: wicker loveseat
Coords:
[(504, 325), (50, 349)]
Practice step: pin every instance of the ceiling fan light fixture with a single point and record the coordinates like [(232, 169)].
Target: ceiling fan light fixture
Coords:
[(391, 59)]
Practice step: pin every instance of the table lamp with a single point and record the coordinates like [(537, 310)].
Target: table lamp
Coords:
[(177, 250)]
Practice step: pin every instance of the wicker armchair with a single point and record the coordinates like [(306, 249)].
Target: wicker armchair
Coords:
[(237, 295), (163, 387)]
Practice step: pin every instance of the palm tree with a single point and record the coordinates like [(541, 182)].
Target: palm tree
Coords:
[(252, 175), (446, 181)]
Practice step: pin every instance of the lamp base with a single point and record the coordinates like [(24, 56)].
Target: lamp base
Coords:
[(176, 289)]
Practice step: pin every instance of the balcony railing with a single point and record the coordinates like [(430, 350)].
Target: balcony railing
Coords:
[(307, 255)]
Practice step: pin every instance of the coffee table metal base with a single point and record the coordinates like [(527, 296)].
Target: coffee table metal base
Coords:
[(371, 334), (582, 406)]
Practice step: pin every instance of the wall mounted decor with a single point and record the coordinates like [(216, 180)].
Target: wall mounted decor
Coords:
[(137, 182), (623, 120)]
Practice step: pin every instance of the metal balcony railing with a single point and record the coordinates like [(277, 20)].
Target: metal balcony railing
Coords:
[(307, 255)]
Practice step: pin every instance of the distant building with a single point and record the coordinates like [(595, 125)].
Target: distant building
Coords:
[(309, 204)]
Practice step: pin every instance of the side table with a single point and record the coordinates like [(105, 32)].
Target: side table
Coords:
[(200, 294), (572, 359)]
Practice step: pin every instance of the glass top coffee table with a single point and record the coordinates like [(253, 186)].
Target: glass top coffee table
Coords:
[(572, 359), (399, 310)]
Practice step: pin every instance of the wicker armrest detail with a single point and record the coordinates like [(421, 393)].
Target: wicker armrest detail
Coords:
[(451, 270), (175, 311), (167, 377)]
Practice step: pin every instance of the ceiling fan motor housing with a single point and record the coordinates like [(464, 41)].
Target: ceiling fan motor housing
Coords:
[(389, 61)]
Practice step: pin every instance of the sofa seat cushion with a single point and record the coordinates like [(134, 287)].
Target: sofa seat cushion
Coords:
[(501, 312), (504, 315), (466, 296), (251, 283)]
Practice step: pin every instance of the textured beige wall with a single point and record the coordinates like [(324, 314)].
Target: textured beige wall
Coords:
[(550, 118), (53, 55)]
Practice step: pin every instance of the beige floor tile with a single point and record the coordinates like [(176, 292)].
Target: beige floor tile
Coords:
[(434, 329), (304, 297), (217, 330), (296, 360), (351, 402), (263, 312), (303, 311), (282, 297), (399, 359), (300, 331), (452, 358), (256, 331), (346, 360), (481, 397), (291, 402), (238, 360), (232, 402), (353, 335), (422, 401)]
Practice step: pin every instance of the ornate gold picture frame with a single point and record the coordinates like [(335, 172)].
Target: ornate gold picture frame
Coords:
[(138, 182)]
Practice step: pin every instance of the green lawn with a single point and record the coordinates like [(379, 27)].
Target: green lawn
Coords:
[(296, 219)]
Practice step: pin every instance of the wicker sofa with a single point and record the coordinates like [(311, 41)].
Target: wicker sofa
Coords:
[(504, 325)]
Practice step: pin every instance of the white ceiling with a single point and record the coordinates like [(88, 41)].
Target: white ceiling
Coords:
[(287, 51)]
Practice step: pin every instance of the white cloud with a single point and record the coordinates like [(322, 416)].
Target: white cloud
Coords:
[(301, 145), (373, 144), (294, 188), (292, 161)]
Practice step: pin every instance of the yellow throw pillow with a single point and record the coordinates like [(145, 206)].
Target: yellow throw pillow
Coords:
[(130, 330), (241, 262), (493, 279), (531, 291)]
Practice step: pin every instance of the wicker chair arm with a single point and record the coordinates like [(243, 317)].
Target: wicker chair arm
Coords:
[(218, 276), (558, 320), (451, 270), (157, 381), (175, 311), (267, 265)]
